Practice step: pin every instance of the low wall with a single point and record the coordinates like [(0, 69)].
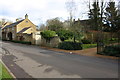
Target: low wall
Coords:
[(53, 42)]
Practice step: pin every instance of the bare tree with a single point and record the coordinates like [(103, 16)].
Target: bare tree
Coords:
[(75, 26), (42, 27), (71, 8), (54, 24), (119, 8)]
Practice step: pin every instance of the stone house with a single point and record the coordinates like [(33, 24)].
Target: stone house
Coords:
[(21, 30)]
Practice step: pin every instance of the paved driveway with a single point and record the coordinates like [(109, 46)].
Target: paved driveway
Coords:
[(26, 61)]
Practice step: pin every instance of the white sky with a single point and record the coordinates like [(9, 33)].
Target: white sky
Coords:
[(40, 10)]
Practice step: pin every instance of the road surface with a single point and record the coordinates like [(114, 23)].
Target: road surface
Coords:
[(29, 61)]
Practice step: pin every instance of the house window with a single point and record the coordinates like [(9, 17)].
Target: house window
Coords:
[(26, 21), (12, 28)]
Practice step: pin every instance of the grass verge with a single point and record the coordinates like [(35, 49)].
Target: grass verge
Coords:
[(4, 74), (85, 46)]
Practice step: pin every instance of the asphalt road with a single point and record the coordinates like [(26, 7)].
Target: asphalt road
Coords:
[(29, 61)]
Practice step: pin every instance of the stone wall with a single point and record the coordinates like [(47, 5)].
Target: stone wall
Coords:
[(53, 42)]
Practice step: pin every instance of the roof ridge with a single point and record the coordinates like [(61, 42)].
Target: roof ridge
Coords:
[(13, 24)]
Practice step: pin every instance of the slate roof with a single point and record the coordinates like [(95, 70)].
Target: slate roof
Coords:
[(13, 24), (24, 29)]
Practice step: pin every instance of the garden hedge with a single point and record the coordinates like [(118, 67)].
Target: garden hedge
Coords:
[(70, 46), (113, 50)]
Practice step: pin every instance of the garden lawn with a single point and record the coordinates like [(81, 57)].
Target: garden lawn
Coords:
[(85, 46), (4, 73)]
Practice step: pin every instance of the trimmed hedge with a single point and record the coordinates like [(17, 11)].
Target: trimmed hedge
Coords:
[(4, 40), (23, 42), (113, 50), (70, 46)]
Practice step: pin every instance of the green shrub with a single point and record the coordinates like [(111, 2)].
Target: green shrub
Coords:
[(113, 50), (113, 39), (48, 34), (70, 46), (64, 34), (86, 41)]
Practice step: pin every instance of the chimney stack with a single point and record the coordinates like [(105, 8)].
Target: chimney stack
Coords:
[(17, 19), (26, 16)]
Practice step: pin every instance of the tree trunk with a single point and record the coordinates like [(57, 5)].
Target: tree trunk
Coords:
[(74, 39)]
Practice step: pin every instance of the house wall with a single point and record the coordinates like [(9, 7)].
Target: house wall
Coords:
[(32, 30), (8, 30), (3, 35), (26, 23), (27, 38), (37, 38), (29, 35)]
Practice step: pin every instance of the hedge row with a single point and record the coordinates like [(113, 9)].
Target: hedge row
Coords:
[(86, 41), (23, 42), (70, 46), (113, 50)]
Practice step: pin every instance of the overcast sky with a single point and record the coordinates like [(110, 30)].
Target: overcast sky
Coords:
[(40, 10)]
